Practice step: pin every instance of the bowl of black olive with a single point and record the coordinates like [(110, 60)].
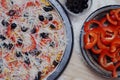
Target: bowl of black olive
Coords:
[(76, 7)]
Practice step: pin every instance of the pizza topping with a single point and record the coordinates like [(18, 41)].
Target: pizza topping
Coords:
[(27, 60), (13, 25), (41, 18), (11, 12), (52, 44), (20, 41), (50, 17), (18, 54), (2, 37), (33, 30), (4, 23), (44, 35), (55, 63), (52, 26), (24, 29), (48, 8)]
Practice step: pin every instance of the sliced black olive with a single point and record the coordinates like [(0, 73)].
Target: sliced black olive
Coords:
[(27, 60), (52, 44), (37, 53), (85, 1), (2, 37), (50, 17), (33, 30), (24, 29), (48, 8), (11, 12), (13, 25), (44, 35), (52, 26), (1, 68), (10, 45), (39, 75), (5, 45), (20, 41), (36, 78), (55, 63), (18, 54), (41, 17), (26, 53), (4, 23)]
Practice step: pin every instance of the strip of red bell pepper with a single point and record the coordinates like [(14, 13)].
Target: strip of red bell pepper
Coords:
[(90, 39), (117, 14), (87, 25), (108, 34), (110, 19), (115, 44), (103, 61)]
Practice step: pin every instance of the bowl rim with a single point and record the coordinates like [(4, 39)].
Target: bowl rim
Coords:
[(91, 64)]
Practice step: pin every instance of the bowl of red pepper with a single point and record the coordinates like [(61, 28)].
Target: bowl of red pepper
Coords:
[(100, 41)]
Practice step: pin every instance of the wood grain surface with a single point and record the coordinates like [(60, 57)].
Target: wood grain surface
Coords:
[(77, 68)]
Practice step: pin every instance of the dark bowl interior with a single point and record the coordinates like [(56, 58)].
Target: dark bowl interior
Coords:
[(88, 56)]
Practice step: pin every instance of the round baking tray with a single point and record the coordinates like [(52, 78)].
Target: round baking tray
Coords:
[(91, 59), (69, 34)]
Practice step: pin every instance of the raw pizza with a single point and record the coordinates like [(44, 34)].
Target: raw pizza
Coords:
[(32, 39)]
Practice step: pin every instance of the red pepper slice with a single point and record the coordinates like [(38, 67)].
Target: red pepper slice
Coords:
[(107, 35), (114, 73), (100, 44), (115, 44), (31, 47), (91, 24), (90, 40), (117, 14), (4, 4), (96, 51), (110, 19), (103, 61)]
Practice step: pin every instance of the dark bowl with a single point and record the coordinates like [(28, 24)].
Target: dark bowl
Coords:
[(88, 57)]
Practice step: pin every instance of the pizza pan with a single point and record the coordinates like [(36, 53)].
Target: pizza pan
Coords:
[(91, 59), (69, 34)]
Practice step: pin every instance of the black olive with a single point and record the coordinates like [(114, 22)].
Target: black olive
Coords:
[(27, 60), (36, 78), (10, 45), (52, 44), (85, 1), (33, 30), (41, 17), (18, 54), (48, 8), (52, 26), (5, 45), (44, 35), (13, 25), (55, 63), (39, 75), (26, 53), (2, 37), (20, 41), (11, 12), (1, 68), (4, 23), (37, 53), (50, 17), (24, 29), (85, 6)]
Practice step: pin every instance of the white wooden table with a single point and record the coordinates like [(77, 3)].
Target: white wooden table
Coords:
[(77, 68)]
